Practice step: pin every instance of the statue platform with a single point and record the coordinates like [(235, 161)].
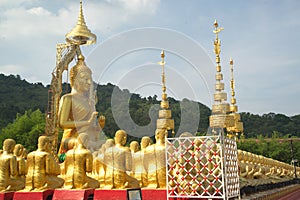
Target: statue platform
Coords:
[(147, 194), (72, 194), (6, 195), (38, 195)]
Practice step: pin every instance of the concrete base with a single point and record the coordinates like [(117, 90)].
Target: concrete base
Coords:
[(6, 195), (72, 194), (39, 195)]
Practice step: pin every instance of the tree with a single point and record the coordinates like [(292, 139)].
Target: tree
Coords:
[(25, 129)]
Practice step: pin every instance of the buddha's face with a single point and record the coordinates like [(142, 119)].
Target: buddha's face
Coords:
[(83, 82)]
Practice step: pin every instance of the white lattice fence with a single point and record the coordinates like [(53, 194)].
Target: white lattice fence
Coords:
[(195, 168)]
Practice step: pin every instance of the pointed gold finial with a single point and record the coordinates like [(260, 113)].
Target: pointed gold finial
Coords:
[(80, 34), (164, 120), (233, 107), (164, 103)]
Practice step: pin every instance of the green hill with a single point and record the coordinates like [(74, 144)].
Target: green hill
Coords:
[(18, 96)]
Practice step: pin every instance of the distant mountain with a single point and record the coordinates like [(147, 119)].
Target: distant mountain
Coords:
[(18, 96)]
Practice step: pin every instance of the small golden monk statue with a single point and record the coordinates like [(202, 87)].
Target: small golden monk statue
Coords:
[(21, 163), (98, 164), (77, 112), (9, 180), (79, 161), (42, 168), (155, 161), (118, 160)]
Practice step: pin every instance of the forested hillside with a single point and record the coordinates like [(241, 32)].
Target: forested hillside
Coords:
[(18, 96)]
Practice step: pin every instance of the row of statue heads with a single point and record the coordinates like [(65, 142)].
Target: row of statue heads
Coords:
[(109, 167)]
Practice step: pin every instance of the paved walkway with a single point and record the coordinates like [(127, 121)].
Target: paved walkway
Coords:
[(291, 196)]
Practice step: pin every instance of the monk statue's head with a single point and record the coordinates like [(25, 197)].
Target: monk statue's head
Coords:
[(145, 142), (80, 73), (83, 139), (134, 146), (9, 145), (18, 150), (160, 135), (43, 143), (121, 137)]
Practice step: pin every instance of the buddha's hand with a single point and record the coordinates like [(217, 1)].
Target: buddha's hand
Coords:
[(101, 121), (93, 117)]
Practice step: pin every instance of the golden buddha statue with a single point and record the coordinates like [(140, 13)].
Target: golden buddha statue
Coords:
[(78, 162), (42, 168), (9, 180), (77, 112), (21, 163), (118, 160), (155, 161)]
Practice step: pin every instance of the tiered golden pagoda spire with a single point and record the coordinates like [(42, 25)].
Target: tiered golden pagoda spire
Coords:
[(220, 109), (80, 34), (164, 120), (237, 128)]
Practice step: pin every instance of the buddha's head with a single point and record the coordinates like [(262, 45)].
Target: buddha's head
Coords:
[(81, 76), (120, 137), (134, 146), (9, 145)]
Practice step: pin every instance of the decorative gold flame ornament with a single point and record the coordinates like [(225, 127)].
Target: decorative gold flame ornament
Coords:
[(164, 120), (80, 34)]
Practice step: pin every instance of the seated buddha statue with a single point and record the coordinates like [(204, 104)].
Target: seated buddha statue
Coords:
[(118, 161), (77, 112), (79, 161), (155, 161), (42, 168), (9, 180)]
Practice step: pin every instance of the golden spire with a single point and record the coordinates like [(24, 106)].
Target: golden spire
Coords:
[(233, 106), (164, 120), (220, 108), (219, 95), (80, 34), (237, 127), (164, 103)]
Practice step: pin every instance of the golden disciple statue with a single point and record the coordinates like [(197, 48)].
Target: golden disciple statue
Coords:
[(155, 161), (78, 162), (21, 163), (8, 168), (42, 168), (77, 113), (118, 160)]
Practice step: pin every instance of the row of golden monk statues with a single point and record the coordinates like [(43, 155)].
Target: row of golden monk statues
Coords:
[(257, 169), (112, 166), (115, 166)]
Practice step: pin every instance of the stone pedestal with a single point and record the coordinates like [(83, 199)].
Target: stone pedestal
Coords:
[(39, 195), (72, 194), (6, 195)]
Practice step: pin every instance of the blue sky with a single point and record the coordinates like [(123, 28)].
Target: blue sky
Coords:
[(260, 36)]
